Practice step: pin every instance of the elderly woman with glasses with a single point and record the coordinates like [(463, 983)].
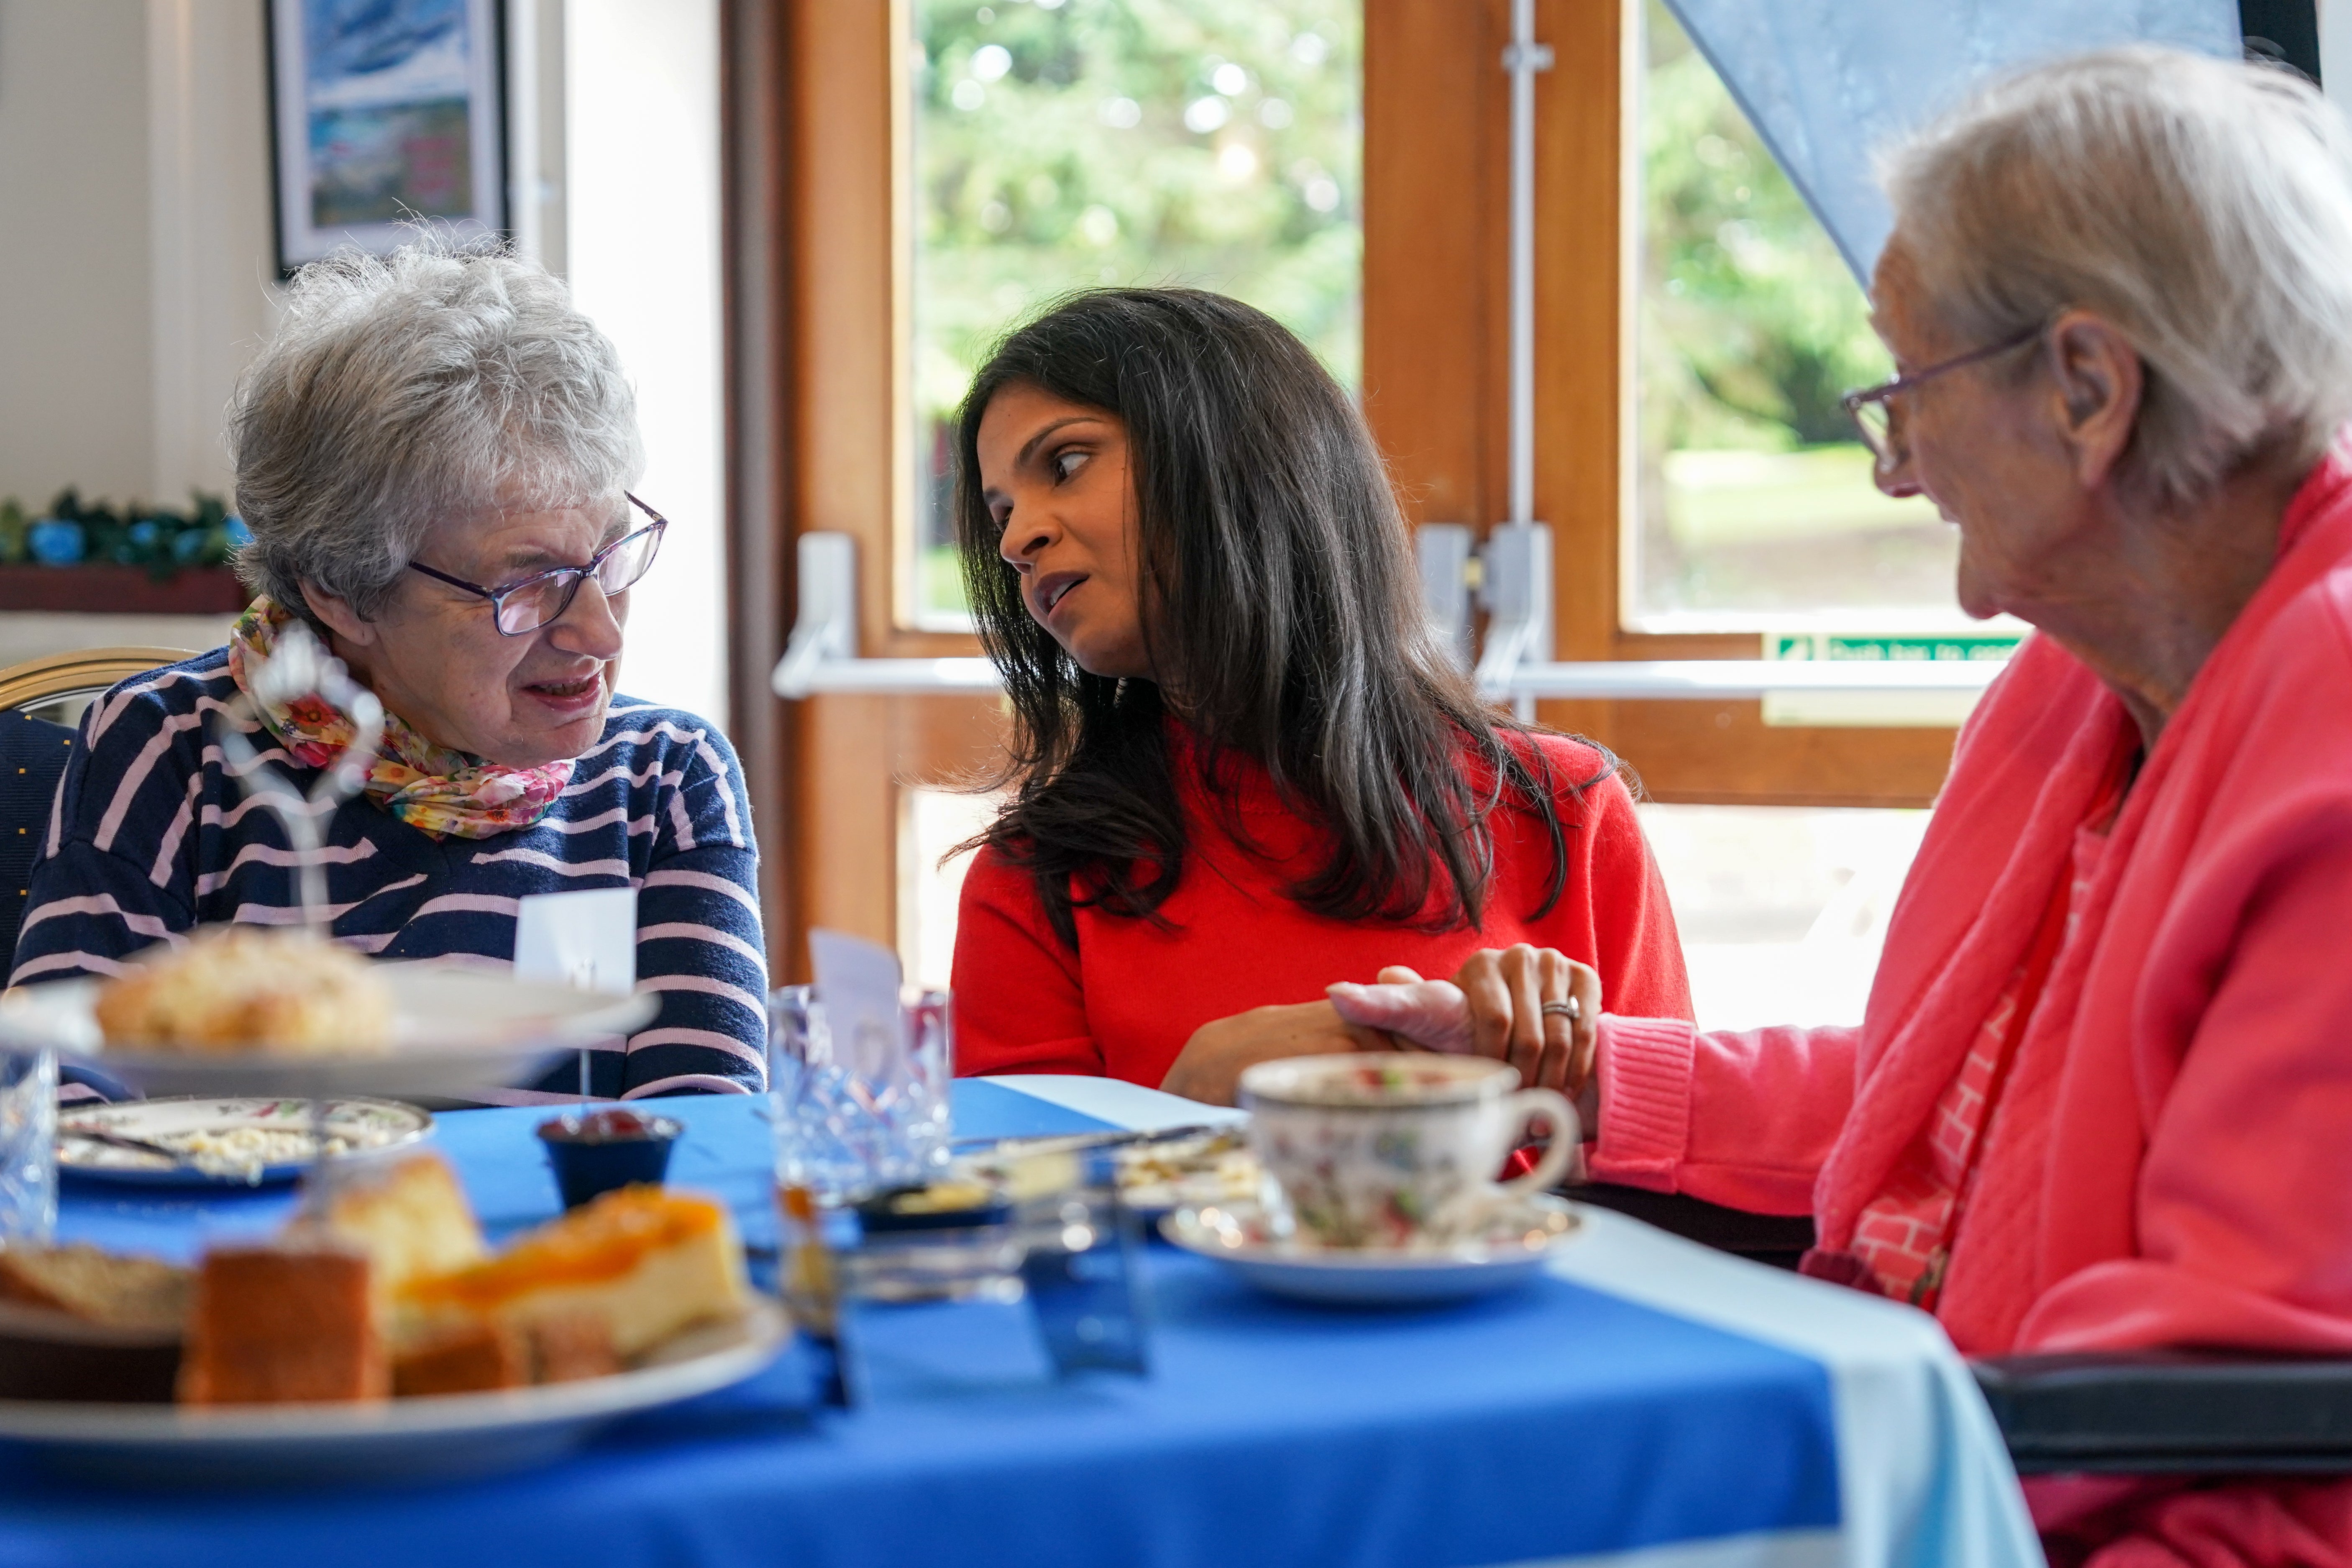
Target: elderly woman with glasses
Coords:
[(434, 454), (2101, 1098)]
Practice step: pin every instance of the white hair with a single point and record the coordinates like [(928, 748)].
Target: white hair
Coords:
[(423, 385), (2202, 207)]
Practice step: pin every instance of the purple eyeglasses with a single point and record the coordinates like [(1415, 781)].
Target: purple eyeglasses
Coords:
[(1873, 409), (527, 606)]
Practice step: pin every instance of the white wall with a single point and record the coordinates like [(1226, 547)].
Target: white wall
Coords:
[(138, 268), (212, 260), (136, 271), (642, 194), (74, 362), (535, 127)]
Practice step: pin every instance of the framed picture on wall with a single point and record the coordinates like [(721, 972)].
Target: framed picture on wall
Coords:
[(385, 114)]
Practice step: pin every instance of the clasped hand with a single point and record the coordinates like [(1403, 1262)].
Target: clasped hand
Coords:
[(1492, 1006)]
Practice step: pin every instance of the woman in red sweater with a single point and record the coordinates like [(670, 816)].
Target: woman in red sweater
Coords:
[(1241, 769)]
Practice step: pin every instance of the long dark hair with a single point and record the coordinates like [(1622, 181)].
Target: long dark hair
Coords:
[(1282, 603)]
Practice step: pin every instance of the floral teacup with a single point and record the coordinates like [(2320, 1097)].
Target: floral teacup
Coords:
[(1395, 1150)]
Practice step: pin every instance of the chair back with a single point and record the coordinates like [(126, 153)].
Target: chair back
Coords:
[(33, 752), (32, 755), (40, 682)]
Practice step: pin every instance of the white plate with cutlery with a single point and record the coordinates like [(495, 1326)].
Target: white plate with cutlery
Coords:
[(200, 1141)]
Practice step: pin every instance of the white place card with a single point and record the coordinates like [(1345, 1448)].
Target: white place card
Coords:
[(857, 985), (587, 940)]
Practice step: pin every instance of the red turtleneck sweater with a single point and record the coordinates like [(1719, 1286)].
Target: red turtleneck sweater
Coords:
[(1123, 1003)]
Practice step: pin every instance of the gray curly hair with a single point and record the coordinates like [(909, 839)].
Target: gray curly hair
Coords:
[(2202, 207), (404, 389)]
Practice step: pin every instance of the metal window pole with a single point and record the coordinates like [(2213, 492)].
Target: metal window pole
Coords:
[(1516, 579), (1523, 58)]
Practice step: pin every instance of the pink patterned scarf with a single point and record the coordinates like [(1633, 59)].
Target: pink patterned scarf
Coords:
[(438, 791)]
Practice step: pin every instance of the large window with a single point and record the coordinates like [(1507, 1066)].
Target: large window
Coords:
[(1064, 145), (1060, 145), (1754, 507), (952, 166)]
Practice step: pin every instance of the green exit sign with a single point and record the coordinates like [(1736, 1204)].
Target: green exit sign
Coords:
[(1879, 710), (1955, 648)]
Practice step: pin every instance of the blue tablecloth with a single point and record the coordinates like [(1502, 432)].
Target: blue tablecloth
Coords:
[(1565, 1420)]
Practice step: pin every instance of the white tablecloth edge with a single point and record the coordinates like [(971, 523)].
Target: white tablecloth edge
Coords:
[(1122, 1104), (1772, 1549), (1924, 1478)]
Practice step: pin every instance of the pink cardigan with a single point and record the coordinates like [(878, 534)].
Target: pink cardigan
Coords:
[(2172, 1160)]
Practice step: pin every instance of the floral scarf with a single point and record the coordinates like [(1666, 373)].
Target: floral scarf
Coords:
[(444, 793)]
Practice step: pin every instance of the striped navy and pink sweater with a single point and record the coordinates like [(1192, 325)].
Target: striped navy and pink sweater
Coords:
[(151, 835)]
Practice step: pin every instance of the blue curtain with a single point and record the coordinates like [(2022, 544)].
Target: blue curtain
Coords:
[(1828, 82)]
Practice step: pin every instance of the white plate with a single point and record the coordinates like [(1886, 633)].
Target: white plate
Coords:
[(455, 1031), (398, 1441), (368, 1126), (1509, 1253), (1198, 1179)]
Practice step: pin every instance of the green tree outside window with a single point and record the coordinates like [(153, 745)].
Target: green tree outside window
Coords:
[(1754, 498), (1064, 145)]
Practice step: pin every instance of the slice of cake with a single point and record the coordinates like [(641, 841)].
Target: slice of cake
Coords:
[(479, 1355), (566, 1347), (645, 1260), (97, 1285), (409, 1216), (283, 1325), (471, 1358), (82, 1324)]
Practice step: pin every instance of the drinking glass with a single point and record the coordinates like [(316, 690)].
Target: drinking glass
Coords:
[(1083, 1272), (29, 1146), (857, 1117)]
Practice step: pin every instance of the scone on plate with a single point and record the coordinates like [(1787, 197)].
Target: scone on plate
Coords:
[(241, 987)]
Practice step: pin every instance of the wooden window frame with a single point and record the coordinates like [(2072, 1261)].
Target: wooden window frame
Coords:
[(819, 280), (1435, 335), (820, 441)]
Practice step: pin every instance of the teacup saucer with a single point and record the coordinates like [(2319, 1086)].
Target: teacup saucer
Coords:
[(1509, 1251)]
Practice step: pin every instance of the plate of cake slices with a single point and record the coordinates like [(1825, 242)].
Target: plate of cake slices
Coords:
[(376, 1338), (249, 1010)]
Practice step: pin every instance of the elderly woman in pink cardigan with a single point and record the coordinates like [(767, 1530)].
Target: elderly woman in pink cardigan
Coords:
[(2102, 1094)]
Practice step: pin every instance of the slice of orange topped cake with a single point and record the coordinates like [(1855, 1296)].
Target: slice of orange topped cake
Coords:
[(645, 1261)]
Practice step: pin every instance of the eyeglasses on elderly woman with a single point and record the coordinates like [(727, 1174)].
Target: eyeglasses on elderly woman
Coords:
[(1873, 409), (527, 606)]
